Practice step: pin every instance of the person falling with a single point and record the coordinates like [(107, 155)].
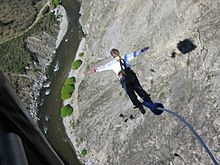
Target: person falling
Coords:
[(128, 79)]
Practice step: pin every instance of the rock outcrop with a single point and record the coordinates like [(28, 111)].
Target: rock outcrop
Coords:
[(42, 46), (186, 82)]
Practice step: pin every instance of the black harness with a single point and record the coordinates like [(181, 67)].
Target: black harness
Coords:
[(124, 69)]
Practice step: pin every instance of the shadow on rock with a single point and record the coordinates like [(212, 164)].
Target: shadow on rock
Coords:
[(186, 46)]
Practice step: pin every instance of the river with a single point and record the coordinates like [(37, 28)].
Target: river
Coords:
[(49, 111)]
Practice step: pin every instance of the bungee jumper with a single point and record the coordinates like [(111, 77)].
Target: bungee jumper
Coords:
[(127, 77), (129, 81)]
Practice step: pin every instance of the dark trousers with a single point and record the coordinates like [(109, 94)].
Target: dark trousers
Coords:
[(131, 85)]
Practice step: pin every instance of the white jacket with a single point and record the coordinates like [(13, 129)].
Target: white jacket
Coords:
[(115, 65)]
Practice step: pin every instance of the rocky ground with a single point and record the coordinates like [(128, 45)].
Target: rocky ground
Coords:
[(185, 80)]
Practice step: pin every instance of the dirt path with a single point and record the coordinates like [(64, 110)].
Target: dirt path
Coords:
[(39, 15)]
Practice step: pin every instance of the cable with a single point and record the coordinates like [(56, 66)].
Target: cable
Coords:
[(154, 107), (193, 131)]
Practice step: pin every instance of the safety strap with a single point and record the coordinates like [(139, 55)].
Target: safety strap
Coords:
[(122, 64)]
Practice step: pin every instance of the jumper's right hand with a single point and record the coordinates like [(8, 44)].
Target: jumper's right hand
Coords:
[(144, 49), (92, 70)]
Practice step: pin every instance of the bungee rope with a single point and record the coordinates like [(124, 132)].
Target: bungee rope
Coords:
[(158, 108)]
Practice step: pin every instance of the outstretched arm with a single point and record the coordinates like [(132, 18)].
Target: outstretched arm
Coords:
[(134, 54), (101, 68)]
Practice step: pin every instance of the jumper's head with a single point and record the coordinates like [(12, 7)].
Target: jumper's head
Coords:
[(115, 54)]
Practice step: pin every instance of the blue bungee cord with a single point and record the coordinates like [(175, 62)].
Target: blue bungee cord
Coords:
[(158, 108)]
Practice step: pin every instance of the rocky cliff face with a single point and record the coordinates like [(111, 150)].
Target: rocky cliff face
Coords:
[(42, 47), (186, 82)]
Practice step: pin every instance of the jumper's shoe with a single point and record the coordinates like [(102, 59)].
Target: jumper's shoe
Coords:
[(141, 108)]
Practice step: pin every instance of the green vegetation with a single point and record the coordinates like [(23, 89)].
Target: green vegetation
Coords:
[(76, 64), (46, 23), (68, 88), (81, 54), (66, 111), (70, 81), (67, 91), (74, 124), (83, 153), (14, 55), (188, 62), (79, 141), (56, 3), (16, 16), (209, 76)]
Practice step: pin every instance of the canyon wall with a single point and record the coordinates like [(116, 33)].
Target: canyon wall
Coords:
[(185, 79)]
